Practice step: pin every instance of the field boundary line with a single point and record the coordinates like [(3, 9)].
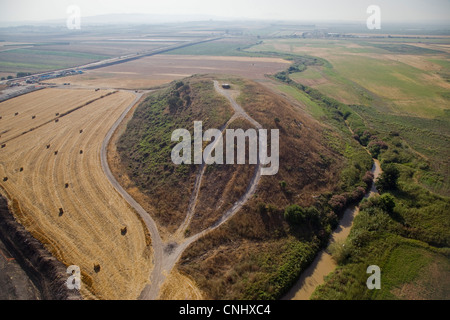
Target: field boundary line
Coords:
[(58, 117)]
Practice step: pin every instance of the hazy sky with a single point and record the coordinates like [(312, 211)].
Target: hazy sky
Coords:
[(349, 10)]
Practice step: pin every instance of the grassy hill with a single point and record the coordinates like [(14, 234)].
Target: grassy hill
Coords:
[(261, 251)]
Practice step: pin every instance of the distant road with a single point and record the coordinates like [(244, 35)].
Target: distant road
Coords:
[(131, 57), (121, 59)]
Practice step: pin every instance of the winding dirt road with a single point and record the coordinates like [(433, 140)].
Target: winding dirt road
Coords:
[(166, 254)]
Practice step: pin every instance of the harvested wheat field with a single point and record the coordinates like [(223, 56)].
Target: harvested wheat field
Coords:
[(37, 108), (55, 183)]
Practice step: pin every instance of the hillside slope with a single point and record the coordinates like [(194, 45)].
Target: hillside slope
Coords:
[(259, 252)]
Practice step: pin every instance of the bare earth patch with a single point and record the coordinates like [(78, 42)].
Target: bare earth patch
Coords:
[(156, 70)]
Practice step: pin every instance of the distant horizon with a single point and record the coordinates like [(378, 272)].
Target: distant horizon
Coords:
[(187, 18), (392, 12)]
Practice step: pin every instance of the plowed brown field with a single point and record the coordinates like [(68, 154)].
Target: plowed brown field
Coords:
[(88, 232), (160, 69)]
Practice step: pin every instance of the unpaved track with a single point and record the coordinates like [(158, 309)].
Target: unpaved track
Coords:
[(166, 254), (238, 113), (157, 243), (89, 230)]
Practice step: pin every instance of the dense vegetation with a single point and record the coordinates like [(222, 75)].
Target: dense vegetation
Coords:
[(406, 233)]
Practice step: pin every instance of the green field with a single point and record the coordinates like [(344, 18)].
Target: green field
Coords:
[(409, 244), (315, 110), (357, 66), (224, 47), (403, 87), (36, 60), (409, 270)]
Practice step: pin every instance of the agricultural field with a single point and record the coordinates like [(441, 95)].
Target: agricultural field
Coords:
[(37, 60), (161, 69), (46, 50), (58, 191), (234, 46), (40, 108), (406, 77)]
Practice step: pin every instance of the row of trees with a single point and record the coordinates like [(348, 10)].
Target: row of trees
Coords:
[(19, 75)]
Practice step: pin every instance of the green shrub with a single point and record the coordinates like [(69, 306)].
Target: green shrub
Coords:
[(388, 179), (340, 251), (295, 214), (387, 202)]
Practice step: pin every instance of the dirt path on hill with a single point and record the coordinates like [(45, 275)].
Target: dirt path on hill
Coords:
[(166, 254)]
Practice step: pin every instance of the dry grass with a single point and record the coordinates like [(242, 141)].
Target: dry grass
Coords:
[(99, 79), (89, 230), (180, 287), (302, 148), (224, 262), (222, 186)]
